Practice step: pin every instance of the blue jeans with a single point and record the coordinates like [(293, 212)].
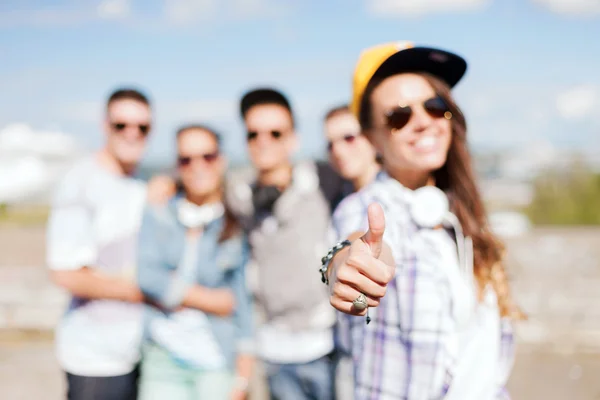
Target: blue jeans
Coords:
[(308, 381), (122, 387)]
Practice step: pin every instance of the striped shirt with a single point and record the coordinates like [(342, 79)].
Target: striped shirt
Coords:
[(411, 348)]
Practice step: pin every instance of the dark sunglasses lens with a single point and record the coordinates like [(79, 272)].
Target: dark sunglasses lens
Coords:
[(144, 129), (210, 157), (399, 117), (349, 138), (276, 134), (252, 135), (436, 107), (183, 161)]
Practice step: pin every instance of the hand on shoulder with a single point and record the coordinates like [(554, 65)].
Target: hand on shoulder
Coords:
[(160, 189)]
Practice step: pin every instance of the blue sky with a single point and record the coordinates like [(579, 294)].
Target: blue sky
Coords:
[(533, 77)]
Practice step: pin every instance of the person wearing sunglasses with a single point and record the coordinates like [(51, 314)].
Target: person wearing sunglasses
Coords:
[(192, 257), (417, 257), (94, 220), (285, 207), (351, 154)]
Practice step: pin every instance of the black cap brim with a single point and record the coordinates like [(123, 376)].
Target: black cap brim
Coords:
[(440, 63)]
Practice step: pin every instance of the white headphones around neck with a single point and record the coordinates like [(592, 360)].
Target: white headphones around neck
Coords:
[(429, 208), (194, 216)]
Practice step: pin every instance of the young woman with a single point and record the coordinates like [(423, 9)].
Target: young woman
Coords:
[(431, 267), (192, 257)]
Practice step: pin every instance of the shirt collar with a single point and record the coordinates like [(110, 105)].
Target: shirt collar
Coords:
[(393, 189)]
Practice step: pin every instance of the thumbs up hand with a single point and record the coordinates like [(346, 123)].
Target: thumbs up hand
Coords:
[(374, 236), (365, 268)]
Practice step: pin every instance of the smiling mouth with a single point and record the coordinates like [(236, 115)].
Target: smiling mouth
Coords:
[(426, 143)]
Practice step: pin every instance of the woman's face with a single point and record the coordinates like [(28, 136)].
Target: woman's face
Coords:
[(421, 145), (200, 164)]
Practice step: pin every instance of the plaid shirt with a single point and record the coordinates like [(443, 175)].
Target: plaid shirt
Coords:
[(409, 350)]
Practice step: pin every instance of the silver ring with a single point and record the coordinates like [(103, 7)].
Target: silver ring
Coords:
[(360, 303)]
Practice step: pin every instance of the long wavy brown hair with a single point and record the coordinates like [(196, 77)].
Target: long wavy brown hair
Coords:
[(457, 179)]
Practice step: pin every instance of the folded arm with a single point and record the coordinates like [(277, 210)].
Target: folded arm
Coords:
[(168, 288), (72, 250), (88, 283)]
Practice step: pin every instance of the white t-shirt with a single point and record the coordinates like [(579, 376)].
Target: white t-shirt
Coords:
[(94, 223), (279, 345), (477, 369), (477, 328)]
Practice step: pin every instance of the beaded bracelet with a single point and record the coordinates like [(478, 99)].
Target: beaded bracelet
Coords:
[(327, 259)]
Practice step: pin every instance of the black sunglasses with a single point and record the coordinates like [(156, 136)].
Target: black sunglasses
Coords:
[(252, 135), (209, 158), (348, 138), (436, 107), (120, 127)]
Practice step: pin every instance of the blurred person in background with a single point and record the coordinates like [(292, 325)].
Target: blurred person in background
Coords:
[(351, 154), (354, 158), (286, 211), (192, 257), (431, 266), (91, 242)]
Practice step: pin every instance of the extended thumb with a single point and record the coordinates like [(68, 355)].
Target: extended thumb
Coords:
[(374, 236)]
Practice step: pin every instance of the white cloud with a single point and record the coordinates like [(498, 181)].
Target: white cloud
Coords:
[(578, 102), (32, 160), (173, 12), (572, 7), (20, 139), (185, 12), (248, 9), (188, 11), (44, 18), (420, 7), (65, 16), (114, 9), (22, 178)]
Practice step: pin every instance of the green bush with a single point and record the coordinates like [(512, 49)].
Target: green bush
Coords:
[(20, 215), (566, 197)]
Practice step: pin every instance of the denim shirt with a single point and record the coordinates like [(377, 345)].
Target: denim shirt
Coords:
[(169, 264)]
